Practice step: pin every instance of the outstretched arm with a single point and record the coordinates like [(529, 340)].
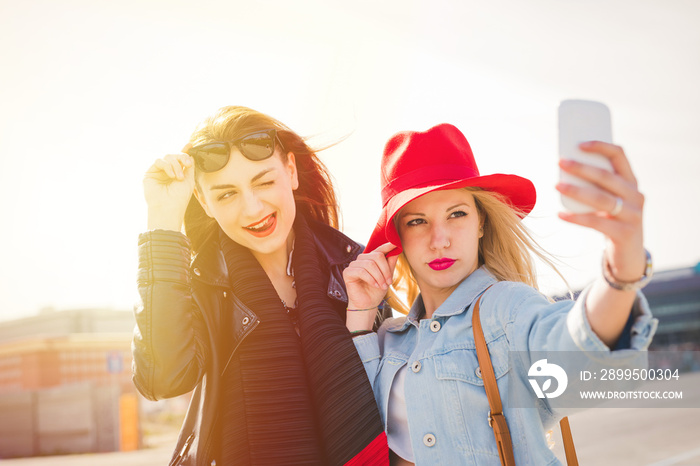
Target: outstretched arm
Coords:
[(618, 213)]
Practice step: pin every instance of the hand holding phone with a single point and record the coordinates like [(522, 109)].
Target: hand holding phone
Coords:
[(580, 121)]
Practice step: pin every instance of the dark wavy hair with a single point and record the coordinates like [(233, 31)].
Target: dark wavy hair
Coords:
[(315, 198)]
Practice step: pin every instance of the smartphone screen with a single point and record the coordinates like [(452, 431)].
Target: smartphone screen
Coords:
[(580, 121)]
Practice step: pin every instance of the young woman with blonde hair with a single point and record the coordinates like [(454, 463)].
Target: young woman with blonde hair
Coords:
[(463, 244), (248, 308)]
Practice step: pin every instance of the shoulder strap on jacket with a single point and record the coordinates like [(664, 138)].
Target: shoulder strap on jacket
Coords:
[(496, 419)]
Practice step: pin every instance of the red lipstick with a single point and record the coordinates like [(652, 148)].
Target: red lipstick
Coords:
[(441, 263), (264, 227)]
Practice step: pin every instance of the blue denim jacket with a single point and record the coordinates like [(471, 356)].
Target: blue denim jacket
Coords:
[(445, 395)]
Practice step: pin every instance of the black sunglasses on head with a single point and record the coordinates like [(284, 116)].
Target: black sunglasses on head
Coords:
[(213, 156)]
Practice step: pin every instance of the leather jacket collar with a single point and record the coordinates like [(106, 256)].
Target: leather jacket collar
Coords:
[(209, 266)]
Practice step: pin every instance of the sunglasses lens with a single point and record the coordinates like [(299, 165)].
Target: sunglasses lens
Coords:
[(210, 157), (214, 156), (258, 146)]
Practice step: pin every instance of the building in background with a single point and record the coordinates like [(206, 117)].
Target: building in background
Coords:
[(65, 384), (674, 298), (67, 347)]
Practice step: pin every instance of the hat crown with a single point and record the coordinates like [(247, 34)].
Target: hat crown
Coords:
[(416, 159), (417, 163)]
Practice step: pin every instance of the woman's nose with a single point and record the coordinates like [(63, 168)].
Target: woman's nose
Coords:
[(252, 204), (439, 238)]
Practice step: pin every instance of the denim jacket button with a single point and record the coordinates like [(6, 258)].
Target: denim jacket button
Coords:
[(246, 320), (415, 367), (429, 440), (336, 293), (225, 294), (348, 248), (435, 326), (478, 372), (197, 272)]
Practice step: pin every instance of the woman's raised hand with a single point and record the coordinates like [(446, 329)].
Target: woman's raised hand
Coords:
[(618, 204), (367, 280), (167, 186)]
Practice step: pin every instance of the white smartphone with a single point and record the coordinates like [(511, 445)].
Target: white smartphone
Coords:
[(580, 121)]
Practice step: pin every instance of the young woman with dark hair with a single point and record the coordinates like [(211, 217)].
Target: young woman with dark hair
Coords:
[(248, 308)]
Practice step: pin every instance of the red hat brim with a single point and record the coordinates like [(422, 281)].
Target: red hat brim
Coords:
[(519, 192)]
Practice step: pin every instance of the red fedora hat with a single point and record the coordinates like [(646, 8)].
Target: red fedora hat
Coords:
[(416, 163)]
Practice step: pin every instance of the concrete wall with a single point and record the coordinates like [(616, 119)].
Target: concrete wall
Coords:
[(17, 425), (69, 419)]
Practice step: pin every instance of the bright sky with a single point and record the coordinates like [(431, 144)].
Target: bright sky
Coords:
[(92, 92)]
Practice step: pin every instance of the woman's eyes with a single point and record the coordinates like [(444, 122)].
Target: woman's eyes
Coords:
[(419, 221), (226, 195), (414, 222)]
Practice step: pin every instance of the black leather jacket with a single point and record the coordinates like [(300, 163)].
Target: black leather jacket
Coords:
[(177, 325)]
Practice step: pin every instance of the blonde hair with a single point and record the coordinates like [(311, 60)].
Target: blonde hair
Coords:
[(506, 249)]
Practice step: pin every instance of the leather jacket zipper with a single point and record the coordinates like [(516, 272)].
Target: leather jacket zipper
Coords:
[(252, 326), (183, 450)]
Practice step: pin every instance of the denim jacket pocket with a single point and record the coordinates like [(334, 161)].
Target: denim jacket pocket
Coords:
[(461, 387), (462, 363)]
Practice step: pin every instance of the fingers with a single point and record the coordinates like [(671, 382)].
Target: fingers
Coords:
[(606, 202), (615, 154), (621, 181), (614, 196), (604, 187), (621, 176), (386, 264), (385, 248), (365, 272), (392, 263), (374, 268), (612, 227), (596, 176), (171, 167), (627, 221), (624, 227)]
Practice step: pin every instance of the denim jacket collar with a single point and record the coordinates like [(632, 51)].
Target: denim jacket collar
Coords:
[(459, 301)]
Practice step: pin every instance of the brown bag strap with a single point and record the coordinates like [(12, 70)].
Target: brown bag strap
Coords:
[(569, 448), (496, 419)]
